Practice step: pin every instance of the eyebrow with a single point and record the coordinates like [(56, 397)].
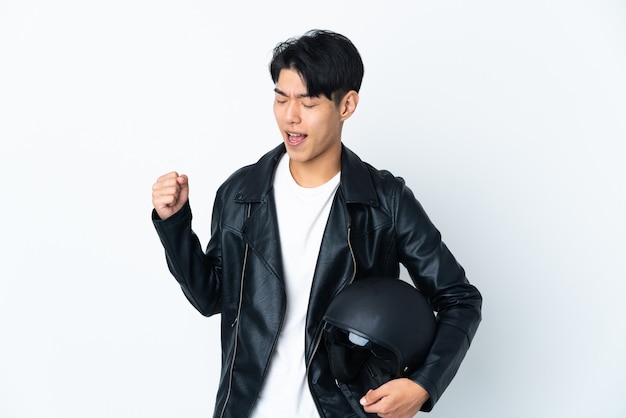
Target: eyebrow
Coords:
[(282, 93)]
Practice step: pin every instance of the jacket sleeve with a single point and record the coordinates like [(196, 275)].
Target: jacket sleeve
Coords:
[(197, 272), (438, 276)]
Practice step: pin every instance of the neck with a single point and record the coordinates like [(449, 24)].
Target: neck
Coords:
[(314, 173)]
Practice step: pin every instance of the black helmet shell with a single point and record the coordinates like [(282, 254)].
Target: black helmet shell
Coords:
[(389, 313)]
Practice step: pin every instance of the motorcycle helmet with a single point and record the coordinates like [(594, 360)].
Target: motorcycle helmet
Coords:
[(383, 322)]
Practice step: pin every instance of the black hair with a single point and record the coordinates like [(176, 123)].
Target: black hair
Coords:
[(328, 63)]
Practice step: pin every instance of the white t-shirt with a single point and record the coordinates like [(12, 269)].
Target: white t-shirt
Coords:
[(302, 216)]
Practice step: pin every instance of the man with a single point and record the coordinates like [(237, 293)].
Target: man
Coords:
[(289, 232)]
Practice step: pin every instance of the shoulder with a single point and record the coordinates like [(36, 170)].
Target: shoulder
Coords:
[(357, 166), (383, 181), (384, 176), (252, 182), (389, 191)]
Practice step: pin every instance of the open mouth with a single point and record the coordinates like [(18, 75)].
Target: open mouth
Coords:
[(294, 138)]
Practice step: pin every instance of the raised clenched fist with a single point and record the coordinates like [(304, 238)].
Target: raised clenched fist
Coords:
[(169, 194)]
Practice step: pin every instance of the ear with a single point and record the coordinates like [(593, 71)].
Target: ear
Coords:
[(348, 105)]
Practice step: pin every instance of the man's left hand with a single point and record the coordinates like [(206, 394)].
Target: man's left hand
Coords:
[(398, 398)]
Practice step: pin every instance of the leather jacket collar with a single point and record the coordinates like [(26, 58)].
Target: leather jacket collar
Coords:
[(355, 182)]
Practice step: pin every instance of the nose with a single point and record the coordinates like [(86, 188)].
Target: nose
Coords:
[(292, 112)]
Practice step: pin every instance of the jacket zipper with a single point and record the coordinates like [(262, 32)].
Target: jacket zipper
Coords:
[(236, 324)]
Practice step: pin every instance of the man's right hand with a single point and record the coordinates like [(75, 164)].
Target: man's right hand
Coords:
[(169, 194)]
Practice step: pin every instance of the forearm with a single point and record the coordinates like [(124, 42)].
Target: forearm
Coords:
[(444, 359), (189, 265)]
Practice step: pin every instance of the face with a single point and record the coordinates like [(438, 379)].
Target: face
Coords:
[(310, 126)]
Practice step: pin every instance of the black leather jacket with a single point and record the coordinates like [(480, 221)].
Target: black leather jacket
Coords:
[(374, 225)]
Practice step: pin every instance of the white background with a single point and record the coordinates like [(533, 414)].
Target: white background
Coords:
[(507, 119)]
